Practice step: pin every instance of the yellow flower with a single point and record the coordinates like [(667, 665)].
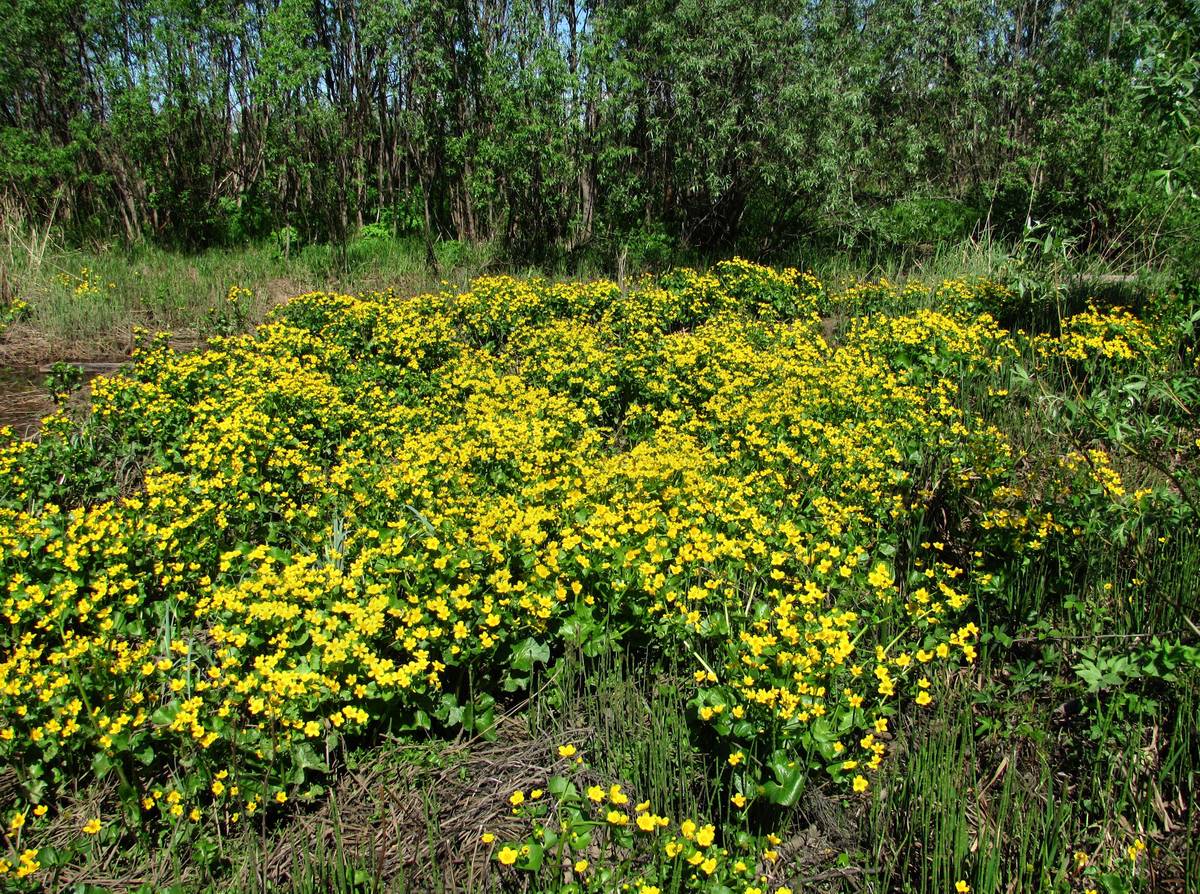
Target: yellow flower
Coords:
[(923, 698), (616, 818), (280, 796), (581, 865), (91, 827), (649, 889), (595, 793), (739, 800), (962, 887), (487, 837), (517, 798), (566, 751), (860, 783), (28, 863), (709, 866), (672, 849), (704, 837), (507, 855), (880, 576)]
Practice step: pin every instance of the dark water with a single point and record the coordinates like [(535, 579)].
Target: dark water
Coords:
[(25, 399)]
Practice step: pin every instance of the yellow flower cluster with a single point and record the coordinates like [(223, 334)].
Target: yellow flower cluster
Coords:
[(628, 846), (86, 284), (247, 555), (1114, 338)]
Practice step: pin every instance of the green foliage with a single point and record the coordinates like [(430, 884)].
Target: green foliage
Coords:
[(620, 133), (62, 379), (301, 503)]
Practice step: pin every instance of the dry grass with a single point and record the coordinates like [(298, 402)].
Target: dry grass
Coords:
[(407, 821), (411, 815)]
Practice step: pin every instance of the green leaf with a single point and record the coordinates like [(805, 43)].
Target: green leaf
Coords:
[(101, 764), (515, 682), (529, 652), (581, 840), (164, 715), (532, 860), (305, 758), (562, 788), (790, 777)]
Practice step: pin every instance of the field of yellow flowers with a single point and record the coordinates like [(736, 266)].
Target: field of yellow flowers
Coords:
[(383, 517)]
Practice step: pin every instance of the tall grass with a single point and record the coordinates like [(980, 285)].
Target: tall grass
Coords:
[(633, 707), (164, 289), (84, 302)]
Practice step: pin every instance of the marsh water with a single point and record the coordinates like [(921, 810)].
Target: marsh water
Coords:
[(25, 399)]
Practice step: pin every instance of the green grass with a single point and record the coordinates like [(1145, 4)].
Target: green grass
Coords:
[(1026, 764), (160, 289)]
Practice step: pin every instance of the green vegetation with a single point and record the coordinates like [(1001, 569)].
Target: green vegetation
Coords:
[(81, 304), (614, 133), (422, 501), (729, 581), (84, 304)]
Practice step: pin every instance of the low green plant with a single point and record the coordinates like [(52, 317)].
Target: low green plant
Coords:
[(62, 379)]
